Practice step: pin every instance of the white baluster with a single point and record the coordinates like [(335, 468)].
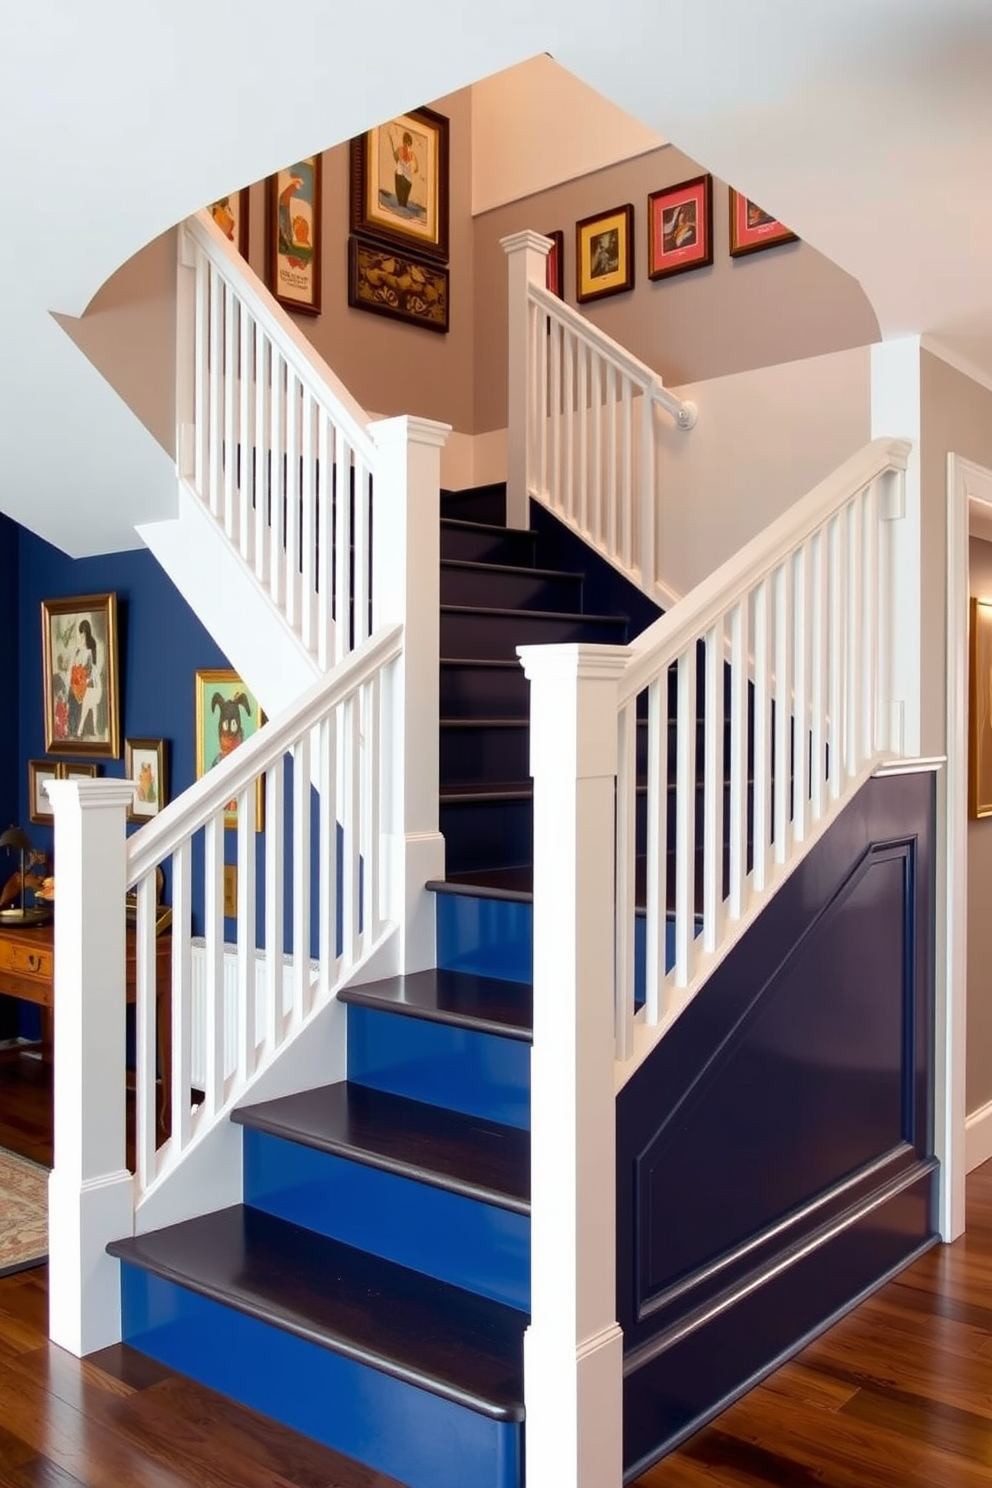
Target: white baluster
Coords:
[(308, 525), (713, 725), (182, 982), (738, 756), (656, 971), (685, 817), (262, 483), (626, 876), (246, 443), (291, 592), (342, 545), (819, 640), (275, 921), (301, 879), (762, 736), (782, 590), (800, 697), (855, 637), (327, 867), (145, 1027), (213, 934), (626, 473), (325, 540), (230, 392), (247, 947), (214, 489), (527, 254)]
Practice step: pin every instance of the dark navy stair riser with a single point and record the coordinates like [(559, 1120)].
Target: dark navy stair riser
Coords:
[(506, 587), (786, 1114)]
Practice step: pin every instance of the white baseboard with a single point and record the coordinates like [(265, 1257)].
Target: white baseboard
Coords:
[(978, 1137)]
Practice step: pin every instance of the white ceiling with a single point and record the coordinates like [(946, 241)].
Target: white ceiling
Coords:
[(866, 124)]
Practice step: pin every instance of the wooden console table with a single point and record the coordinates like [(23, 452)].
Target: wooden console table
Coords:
[(27, 970)]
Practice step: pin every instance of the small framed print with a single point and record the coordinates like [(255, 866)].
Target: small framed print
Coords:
[(752, 228), (399, 183), (292, 235), (227, 713), (40, 772), (556, 263), (604, 254), (980, 710), (231, 215), (144, 766), (680, 227)]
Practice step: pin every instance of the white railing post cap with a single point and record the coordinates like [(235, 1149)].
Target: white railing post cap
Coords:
[(408, 428), (587, 662), (519, 241), (92, 795)]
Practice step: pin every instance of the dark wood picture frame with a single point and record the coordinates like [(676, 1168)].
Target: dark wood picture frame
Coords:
[(293, 198), (680, 227), (556, 263), (406, 157), (604, 254), (399, 284), (752, 228)]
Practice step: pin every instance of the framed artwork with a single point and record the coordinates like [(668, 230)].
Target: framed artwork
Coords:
[(604, 254), (399, 182), (40, 772), (752, 228), (388, 282), (227, 713), (79, 647), (74, 770), (680, 227), (292, 235), (556, 263), (231, 215), (144, 765), (980, 710)]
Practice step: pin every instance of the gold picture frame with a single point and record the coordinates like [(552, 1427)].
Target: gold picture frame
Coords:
[(226, 710), (145, 767), (980, 709), (79, 650), (604, 254), (399, 182)]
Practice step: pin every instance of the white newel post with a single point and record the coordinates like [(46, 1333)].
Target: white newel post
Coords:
[(90, 1192), (406, 588), (573, 1348), (527, 253)]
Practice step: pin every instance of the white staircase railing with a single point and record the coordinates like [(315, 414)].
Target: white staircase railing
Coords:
[(275, 446), (647, 870), (582, 433)]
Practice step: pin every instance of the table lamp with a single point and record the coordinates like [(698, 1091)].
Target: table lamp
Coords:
[(17, 840)]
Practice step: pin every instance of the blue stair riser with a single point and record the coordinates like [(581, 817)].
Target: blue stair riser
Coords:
[(484, 751), (487, 545), (390, 1424), (491, 937), (468, 634), (474, 1245), (506, 588), (471, 690), (481, 833), (480, 1074)]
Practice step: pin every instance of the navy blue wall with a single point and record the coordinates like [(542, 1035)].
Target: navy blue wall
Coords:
[(161, 645), (9, 748)]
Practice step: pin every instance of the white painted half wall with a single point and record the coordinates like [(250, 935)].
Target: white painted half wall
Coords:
[(536, 125)]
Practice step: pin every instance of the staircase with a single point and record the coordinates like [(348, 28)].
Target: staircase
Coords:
[(418, 1344)]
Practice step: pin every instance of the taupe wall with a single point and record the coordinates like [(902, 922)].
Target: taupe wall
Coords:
[(957, 418), (775, 306), (129, 334), (978, 1083), (391, 367)]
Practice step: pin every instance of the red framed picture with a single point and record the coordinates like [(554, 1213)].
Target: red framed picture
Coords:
[(556, 263), (752, 228), (680, 227)]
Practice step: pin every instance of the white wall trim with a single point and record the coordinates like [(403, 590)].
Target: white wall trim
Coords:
[(966, 483), (978, 1137)]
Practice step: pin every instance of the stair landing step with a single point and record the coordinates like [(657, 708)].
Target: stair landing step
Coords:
[(436, 1337), (515, 883), (457, 998), (467, 1155)]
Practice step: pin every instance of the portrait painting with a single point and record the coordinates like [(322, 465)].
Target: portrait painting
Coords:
[(604, 254), (752, 228), (79, 648), (399, 182), (227, 714), (292, 230), (680, 227)]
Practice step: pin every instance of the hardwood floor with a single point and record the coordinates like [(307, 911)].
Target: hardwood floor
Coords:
[(897, 1395)]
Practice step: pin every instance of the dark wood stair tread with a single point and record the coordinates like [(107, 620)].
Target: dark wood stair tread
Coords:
[(467, 1155), (577, 616), (515, 883), (497, 528), (485, 790), (523, 570), (459, 999), (441, 1338)]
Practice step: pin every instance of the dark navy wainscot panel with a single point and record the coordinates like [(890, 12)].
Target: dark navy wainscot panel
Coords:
[(393, 1426), (793, 1093), (478, 1246)]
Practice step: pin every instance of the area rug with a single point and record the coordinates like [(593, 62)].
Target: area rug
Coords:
[(23, 1213)]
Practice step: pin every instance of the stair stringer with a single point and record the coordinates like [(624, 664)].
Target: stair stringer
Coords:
[(209, 1174), (229, 599)]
